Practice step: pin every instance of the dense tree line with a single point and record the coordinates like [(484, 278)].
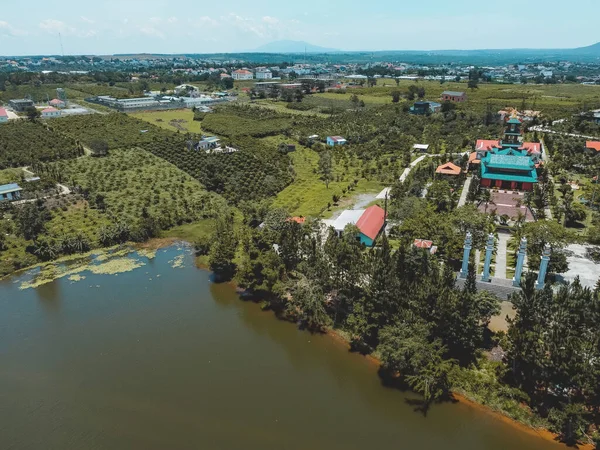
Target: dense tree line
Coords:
[(42, 144)]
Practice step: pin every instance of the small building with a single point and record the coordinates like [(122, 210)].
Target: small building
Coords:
[(425, 244), (448, 168), (208, 143), (370, 224), (454, 96), (56, 103), (3, 115), (242, 74), (263, 74), (421, 147), (591, 147), (10, 192), (332, 141), (185, 88), (49, 113), (423, 108), (21, 105)]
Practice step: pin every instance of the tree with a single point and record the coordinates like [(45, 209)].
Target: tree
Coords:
[(570, 422), (307, 305), (326, 167), (473, 84), (31, 219), (99, 147), (32, 113), (222, 251), (355, 101)]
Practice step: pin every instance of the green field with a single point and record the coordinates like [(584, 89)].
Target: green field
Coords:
[(181, 120), (308, 196)]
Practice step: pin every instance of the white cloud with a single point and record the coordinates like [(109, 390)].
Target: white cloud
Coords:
[(85, 19), (151, 31), (6, 29), (53, 26), (172, 20), (270, 20)]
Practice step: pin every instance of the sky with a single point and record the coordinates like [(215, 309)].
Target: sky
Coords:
[(105, 27)]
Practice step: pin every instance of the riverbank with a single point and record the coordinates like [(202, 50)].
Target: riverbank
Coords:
[(337, 336), (464, 399)]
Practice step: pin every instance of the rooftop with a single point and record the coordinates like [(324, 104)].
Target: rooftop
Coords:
[(483, 144), (453, 93), (372, 221), (510, 162), (9, 188), (347, 217), (3, 113), (448, 169), (592, 145)]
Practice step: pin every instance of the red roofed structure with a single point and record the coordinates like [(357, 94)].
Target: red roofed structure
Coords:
[(448, 169), (422, 243), (370, 224), (484, 144), (3, 115), (532, 147), (593, 145), (299, 220)]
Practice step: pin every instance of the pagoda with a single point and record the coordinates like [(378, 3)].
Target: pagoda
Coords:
[(508, 163)]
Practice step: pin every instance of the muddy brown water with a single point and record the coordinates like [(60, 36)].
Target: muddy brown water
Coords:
[(162, 358)]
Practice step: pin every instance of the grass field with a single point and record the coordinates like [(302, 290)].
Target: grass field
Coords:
[(308, 195), (174, 120)]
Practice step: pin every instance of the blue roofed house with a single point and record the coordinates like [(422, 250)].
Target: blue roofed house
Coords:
[(10, 192)]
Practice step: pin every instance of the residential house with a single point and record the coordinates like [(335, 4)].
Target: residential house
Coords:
[(50, 112), (10, 192), (185, 89), (421, 147), (3, 115), (591, 147), (332, 141), (208, 143), (20, 105), (56, 103), (454, 96), (242, 74), (370, 223), (423, 108), (448, 168)]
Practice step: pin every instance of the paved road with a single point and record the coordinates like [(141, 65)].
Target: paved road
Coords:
[(541, 129), (463, 195), (501, 255)]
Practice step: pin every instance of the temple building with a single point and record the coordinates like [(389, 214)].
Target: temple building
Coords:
[(508, 163)]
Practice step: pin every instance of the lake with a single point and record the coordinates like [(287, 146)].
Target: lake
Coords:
[(159, 357)]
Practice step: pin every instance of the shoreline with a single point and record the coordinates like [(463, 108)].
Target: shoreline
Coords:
[(158, 243), (541, 433)]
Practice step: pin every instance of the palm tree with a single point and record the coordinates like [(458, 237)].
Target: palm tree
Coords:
[(485, 196)]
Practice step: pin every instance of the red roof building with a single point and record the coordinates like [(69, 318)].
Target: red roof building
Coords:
[(593, 145), (484, 144), (299, 220), (3, 115), (532, 147), (371, 223), (448, 169), (422, 243)]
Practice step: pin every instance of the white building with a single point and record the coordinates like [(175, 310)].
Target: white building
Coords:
[(242, 74), (264, 74), (347, 217), (50, 112)]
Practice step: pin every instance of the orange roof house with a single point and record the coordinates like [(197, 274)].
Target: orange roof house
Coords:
[(593, 145), (448, 169)]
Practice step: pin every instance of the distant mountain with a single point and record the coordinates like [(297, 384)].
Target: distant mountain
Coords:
[(589, 50), (292, 47)]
